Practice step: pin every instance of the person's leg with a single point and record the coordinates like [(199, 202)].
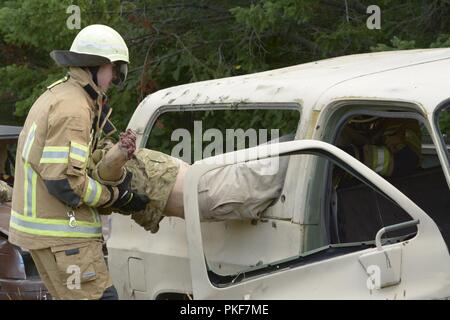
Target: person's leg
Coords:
[(39, 258), (76, 271)]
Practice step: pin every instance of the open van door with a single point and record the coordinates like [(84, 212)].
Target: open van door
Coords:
[(411, 266)]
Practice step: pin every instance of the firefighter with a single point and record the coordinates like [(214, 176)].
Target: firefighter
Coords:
[(391, 147), (56, 203)]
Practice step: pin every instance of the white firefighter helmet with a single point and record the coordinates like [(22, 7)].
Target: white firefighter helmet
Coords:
[(96, 45)]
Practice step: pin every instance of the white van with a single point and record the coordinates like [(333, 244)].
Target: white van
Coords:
[(372, 239)]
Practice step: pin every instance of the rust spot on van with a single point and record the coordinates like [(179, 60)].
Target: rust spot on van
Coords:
[(312, 124)]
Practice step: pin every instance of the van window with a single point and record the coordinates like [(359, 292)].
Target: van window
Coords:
[(192, 135), (398, 149)]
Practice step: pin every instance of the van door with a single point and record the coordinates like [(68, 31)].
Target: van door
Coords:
[(407, 260)]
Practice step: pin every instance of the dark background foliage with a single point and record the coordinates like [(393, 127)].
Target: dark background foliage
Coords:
[(177, 41)]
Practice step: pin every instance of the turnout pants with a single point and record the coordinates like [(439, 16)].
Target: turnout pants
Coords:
[(75, 271)]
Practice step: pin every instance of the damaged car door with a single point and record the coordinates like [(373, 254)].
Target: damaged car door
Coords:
[(407, 260)]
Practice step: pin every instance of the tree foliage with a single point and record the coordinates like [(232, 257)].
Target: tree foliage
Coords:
[(178, 41)]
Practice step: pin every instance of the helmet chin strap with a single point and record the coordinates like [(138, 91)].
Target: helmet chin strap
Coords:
[(94, 71)]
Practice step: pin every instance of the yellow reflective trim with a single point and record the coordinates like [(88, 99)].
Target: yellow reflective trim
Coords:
[(373, 157), (54, 154), (79, 146), (87, 195), (33, 194), (30, 178), (54, 233), (98, 194), (77, 157), (78, 151), (29, 142), (93, 192), (25, 188), (54, 221)]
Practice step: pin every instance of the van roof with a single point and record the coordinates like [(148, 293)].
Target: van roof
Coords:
[(419, 75)]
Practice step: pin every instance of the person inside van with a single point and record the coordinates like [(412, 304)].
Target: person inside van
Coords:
[(392, 147)]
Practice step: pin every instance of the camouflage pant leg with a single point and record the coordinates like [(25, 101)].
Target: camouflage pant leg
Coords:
[(5, 192), (154, 174)]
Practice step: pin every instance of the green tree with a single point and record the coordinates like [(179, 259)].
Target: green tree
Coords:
[(178, 41)]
